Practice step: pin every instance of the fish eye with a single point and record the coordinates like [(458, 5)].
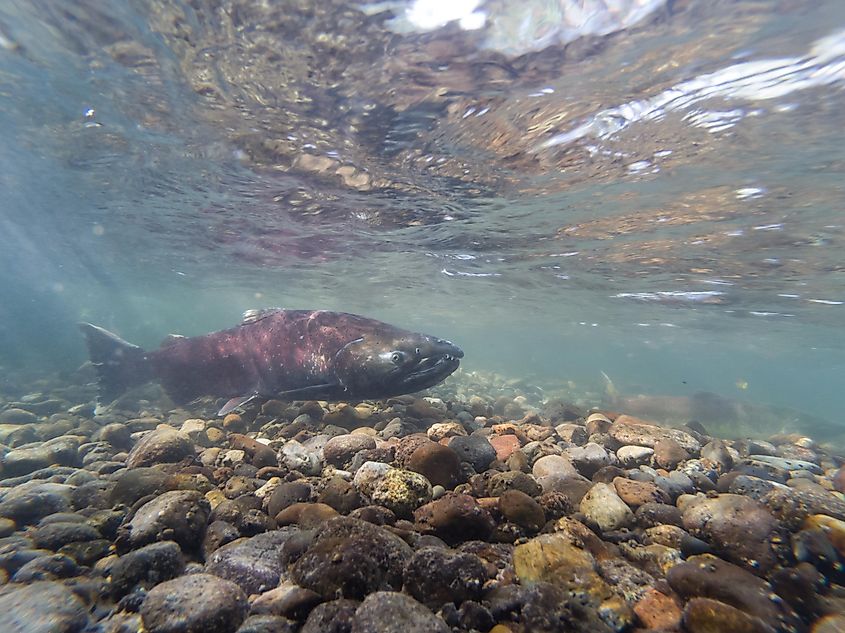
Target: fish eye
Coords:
[(417, 351), (396, 357)]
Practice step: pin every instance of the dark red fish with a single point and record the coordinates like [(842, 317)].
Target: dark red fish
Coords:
[(292, 354)]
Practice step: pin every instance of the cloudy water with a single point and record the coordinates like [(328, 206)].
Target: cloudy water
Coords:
[(605, 198)]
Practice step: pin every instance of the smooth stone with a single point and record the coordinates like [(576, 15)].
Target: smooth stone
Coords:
[(706, 576), (254, 564), (146, 566), (435, 576), (286, 494), (351, 558), (454, 518), (288, 600), (61, 451), (513, 480), (637, 493), (658, 611), (602, 506), (474, 449), (173, 607), (260, 455), (504, 445), (668, 453), (341, 449), (652, 514), (163, 445), (627, 429), (521, 509), (305, 515), (31, 502), (718, 453), (267, 624), (741, 528), (588, 459), (41, 607), (703, 615), (177, 515), (17, 416), (53, 535), (340, 495), (392, 612), (334, 616), (46, 568), (439, 464), (632, 456), (131, 485)]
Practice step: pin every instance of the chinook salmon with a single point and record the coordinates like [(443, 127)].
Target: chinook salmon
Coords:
[(275, 353)]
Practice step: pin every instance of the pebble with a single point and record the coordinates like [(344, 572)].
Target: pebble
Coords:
[(436, 575), (589, 458), (602, 506), (454, 518), (474, 449), (668, 453), (341, 449), (637, 493), (401, 491), (17, 416), (334, 616), (439, 464), (162, 445), (504, 445), (627, 429), (632, 456), (31, 502), (703, 615), (173, 607), (178, 515), (41, 607), (146, 566), (392, 612)]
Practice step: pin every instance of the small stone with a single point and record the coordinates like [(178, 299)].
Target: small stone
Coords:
[(234, 423), (454, 518), (588, 459), (513, 480), (288, 600), (630, 430), (442, 430), (17, 416), (131, 485), (401, 491), (633, 456), (435, 576), (296, 457), (163, 445), (286, 494), (268, 624), (306, 515), (172, 606), (342, 448), (703, 615), (668, 453), (439, 464), (572, 433), (551, 470), (334, 616), (602, 506), (147, 566), (658, 611), (41, 607), (31, 502), (504, 445), (259, 455), (474, 449), (637, 493), (392, 612), (178, 515), (53, 535), (368, 475), (254, 564), (341, 495), (519, 508)]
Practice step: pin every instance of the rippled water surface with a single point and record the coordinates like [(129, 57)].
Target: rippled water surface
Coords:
[(649, 189)]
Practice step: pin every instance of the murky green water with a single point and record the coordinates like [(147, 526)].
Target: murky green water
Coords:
[(654, 192)]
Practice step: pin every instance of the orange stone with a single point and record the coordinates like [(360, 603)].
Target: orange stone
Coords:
[(504, 445), (658, 611)]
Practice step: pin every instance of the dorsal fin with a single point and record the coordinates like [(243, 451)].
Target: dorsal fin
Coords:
[(251, 316), (170, 339)]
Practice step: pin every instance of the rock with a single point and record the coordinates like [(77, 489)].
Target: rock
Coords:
[(131, 485), (342, 448), (41, 607), (717, 453), (61, 451), (288, 600), (17, 416), (834, 529), (341, 495), (331, 617), (572, 433), (474, 449), (7, 527), (439, 464), (391, 612), (441, 430), (834, 623), (454, 518), (602, 506), (588, 459), (504, 445), (656, 610), (637, 493), (296, 457), (552, 558), (706, 576), (668, 453), (792, 506), (286, 494), (163, 445), (368, 475), (703, 615), (260, 455), (305, 515), (435, 576), (554, 465), (401, 491), (116, 434), (30, 503), (254, 564), (513, 480), (53, 535), (178, 515), (632, 456), (146, 566), (46, 568), (740, 528), (173, 607), (521, 509), (267, 624), (630, 430), (351, 558)]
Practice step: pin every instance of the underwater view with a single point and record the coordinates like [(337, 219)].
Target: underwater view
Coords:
[(422, 315)]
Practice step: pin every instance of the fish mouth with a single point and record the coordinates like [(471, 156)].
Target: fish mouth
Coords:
[(431, 370)]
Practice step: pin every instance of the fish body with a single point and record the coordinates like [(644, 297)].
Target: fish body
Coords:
[(293, 354)]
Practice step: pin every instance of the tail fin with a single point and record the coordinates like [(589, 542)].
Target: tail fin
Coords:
[(609, 388), (120, 365)]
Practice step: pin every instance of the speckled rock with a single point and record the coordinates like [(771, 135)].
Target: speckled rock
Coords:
[(632, 456), (146, 566), (602, 506), (342, 448), (513, 480), (474, 449), (439, 464), (504, 445), (637, 493), (740, 528), (172, 606), (368, 475), (255, 564), (706, 576), (627, 429), (454, 518), (29, 503), (401, 491), (703, 615), (521, 509), (334, 616), (41, 607), (351, 558), (162, 445), (53, 535), (435, 576), (178, 515), (552, 558), (391, 612), (656, 610), (668, 453), (268, 624)]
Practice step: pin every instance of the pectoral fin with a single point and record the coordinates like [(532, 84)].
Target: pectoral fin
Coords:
[(235, 403)]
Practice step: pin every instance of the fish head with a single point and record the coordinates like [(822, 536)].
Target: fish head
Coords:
[(383, 364)]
